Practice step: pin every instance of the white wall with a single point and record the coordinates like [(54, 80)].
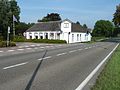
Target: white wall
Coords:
[(33, 34), (66, 29), (73, 38)]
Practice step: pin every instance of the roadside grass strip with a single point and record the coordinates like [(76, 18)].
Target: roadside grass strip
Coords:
[(109, 79), (88, 78)]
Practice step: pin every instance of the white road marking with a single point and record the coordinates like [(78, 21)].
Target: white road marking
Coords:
[(86, 48), (82, 85), (47, 46), (20, 49), (35, 48), (47, 57), (11, 50), (28, 48), (72, 51), (42, 47), (80, 49), (1, 51), (32, 45), (61, 54), (15, 65), (40, 59)]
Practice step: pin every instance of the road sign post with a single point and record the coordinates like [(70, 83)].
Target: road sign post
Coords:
[(8, 32)]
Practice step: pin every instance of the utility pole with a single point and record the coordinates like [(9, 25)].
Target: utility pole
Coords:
[(13, 29)]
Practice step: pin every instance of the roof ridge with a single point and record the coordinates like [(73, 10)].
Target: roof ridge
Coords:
[(50, 21)]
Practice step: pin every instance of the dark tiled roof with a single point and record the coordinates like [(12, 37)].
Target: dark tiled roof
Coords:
[(46, 26), (55, 26), (78, 28)]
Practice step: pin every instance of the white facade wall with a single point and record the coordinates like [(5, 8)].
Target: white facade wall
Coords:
[(66, 29), (43, 34)]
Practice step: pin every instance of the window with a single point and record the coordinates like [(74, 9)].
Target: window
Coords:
[(66, 25), (41, 35), (30, 37), (80, 37), (46, 35), (30, 34), (36, 37), (77, 37)]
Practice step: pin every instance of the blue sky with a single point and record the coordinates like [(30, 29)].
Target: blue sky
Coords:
[(84, 11)]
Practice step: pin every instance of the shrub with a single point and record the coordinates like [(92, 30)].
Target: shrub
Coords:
[(4, 44), (19, 39)]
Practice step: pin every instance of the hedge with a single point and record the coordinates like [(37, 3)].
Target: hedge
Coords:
[(23, 39)]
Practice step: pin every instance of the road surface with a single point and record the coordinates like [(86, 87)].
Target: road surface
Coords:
[(50, 67)]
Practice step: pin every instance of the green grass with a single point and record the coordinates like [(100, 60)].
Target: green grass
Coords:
[(94, 39), (109, 79)]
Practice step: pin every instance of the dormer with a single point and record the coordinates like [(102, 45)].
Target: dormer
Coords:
[(66, 25)]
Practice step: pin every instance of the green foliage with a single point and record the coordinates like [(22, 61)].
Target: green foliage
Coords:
[(19, 39), (116, 17), (23, 39), (8, 8), (48, 41), (95, 39), (109, 79), (22, 27), (51, 17), (103, 28), (85, 26), (116, 31), (4, 44)]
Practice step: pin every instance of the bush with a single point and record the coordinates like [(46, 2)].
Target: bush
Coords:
[(19, 39), (4, 44)]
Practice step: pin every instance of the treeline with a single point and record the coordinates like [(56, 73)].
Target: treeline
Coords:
[(106, 28), (8, 9)]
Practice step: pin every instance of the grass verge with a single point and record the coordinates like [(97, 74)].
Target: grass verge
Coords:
[(4, 44), (109, 79)]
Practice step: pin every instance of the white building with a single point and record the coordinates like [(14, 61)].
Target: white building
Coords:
[(61, 30)]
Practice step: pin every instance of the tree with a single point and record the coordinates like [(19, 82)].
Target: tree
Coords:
[(85, 26), (78, 22), (7, 10), (116, 18), (51, 17), (103, 28), (22, 27), (4, 9)]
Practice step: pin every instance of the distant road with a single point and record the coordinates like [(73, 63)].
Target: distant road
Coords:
[(50, 67)]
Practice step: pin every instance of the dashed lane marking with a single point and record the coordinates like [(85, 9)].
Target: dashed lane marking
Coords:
[(28, 48), (32, 45), (11, 50), (20, 49), (15, 65), (1, 51), (72, 51), (61, 54), (80, 49)]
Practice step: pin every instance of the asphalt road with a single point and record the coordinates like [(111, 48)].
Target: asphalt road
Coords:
[(58, 67)]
